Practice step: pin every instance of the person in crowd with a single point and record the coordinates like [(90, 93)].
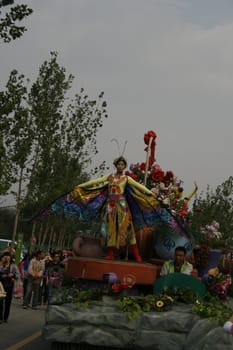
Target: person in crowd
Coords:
[(35, 278), (23, 269), (43, 294), (55, 265), (10, 249), (178, 264), (54, 273), (9, 272)]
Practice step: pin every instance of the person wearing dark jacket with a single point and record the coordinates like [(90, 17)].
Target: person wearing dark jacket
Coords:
[(9, 272)]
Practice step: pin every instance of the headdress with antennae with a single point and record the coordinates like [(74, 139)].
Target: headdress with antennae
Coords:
[(120, 153)]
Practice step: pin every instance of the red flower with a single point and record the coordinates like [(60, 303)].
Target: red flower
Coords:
[(133, 175), (124, 285), (142, 166), (183, 210), (168, 176), (157, 175), (147, 136), (116, 287)]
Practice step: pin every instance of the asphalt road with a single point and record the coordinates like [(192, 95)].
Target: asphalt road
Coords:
[(23, 330)]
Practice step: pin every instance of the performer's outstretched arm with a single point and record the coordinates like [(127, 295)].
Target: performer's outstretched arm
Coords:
[(139, 186), (90, 183)]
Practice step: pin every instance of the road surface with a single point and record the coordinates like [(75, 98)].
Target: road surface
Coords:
[(23, 330)]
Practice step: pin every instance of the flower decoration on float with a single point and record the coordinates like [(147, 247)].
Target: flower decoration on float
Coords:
[(210, 238), (159, 303), (118, 287), (210, 232), (149, 139), (163, 183)]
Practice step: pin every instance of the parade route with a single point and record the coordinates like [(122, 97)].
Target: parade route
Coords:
[(24, 328)]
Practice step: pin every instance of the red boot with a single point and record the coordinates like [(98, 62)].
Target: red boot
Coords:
[(110, 253), (136, 253)]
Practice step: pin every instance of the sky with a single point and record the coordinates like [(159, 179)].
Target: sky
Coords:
[(164, 65)]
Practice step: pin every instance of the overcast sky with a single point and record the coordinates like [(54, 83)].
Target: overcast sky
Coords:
[(164, 65)]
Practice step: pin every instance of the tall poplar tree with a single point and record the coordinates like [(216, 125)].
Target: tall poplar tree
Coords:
[(15, 131), (47, 139), (65, 133)]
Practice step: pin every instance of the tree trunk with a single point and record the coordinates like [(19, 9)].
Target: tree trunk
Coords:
[(50, 238), (17, 206), (32, 239), (44, 236), (63, 240), (40, 236), (60, 238)]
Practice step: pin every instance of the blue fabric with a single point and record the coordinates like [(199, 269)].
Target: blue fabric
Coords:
[(84, 210), (143, 216)]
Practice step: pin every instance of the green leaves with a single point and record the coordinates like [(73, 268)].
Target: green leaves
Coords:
[(214, 205), (9, 30), (65, 133), (47, 139), (130, 306), (213, 308), (15, 131), (133, 306)]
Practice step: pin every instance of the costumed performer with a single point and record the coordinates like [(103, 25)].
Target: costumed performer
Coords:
[(117, 202), (117, 224)]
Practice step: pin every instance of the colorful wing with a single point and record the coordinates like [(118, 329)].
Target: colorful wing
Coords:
[(146, 210), (79, 203)]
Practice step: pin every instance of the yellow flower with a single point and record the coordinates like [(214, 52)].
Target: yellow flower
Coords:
[(159, 303)]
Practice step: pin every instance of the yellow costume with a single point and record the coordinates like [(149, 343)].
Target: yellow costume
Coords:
[(117, 202), (117, 226)]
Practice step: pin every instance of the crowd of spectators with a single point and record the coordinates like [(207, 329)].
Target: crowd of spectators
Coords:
[(31, 279)]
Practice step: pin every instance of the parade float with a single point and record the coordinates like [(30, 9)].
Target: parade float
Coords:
[(124, 304), (160, 224)]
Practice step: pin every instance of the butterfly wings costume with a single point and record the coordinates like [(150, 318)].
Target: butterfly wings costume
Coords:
[(119, 203)]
